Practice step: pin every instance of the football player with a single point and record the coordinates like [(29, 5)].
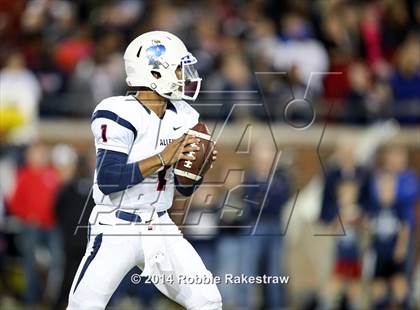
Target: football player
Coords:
[(138, 139)]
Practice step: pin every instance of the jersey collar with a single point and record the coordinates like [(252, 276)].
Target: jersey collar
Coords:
[(170, 106), (146, 108)]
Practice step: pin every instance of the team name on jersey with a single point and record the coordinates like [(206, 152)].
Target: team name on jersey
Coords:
[(164, 142)]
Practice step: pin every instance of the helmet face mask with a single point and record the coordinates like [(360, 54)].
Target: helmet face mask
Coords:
[(153, 59), (190, 80)]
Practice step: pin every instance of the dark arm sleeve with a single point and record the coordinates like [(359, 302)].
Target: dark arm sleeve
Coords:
[(113, 172), (187, 190)]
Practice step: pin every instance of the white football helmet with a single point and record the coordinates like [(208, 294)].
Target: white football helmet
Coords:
[(151, 61)]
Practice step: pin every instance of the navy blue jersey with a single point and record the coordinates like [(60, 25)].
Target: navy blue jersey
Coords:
[(405, 197), (334, 175), (347, 246), (386, 224), (277, 192)]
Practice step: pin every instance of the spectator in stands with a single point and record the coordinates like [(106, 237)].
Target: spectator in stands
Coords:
[(69, 52), (397, 22), (357, 99), (201, 222), (298, 48), (228, 242), (405, 81), (103, 72), (370, 30), (64, 160), (407, 186), (20, 94), (208, 45), (390, 233), (406, 193), (345, 282), (52, 80), (343, 166), (11, 13), (340, 31), (379, 104), (54, 20), (263, 204), (33, 204), (369, 96), (72, 207), (234, 77), (340, 35)]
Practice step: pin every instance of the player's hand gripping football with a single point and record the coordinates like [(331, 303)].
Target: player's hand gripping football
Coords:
[(179, 149)]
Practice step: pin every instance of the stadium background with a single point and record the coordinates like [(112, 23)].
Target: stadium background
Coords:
[(59, 58)]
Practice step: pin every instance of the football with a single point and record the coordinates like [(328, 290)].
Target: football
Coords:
[(186, 171)]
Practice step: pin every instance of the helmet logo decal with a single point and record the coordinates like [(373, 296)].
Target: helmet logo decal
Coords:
[(153, 53)]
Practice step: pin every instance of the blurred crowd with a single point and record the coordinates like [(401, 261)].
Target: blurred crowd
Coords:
[(62, 57), (45, 195), (372, 211), (59, 58), (369, 211)]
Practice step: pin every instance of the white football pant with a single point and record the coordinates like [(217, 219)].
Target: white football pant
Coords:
[(159, 249)]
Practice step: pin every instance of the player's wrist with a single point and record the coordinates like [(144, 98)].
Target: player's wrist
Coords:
[(162, 161)]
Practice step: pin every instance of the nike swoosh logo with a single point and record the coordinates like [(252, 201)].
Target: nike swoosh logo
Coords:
[(176, 128), (104, 224)]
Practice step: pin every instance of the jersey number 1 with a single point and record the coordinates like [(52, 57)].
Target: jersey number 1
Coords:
[(103, 135)]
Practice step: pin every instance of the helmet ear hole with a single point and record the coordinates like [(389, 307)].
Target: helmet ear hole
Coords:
[(156, 74), (138, 52)]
